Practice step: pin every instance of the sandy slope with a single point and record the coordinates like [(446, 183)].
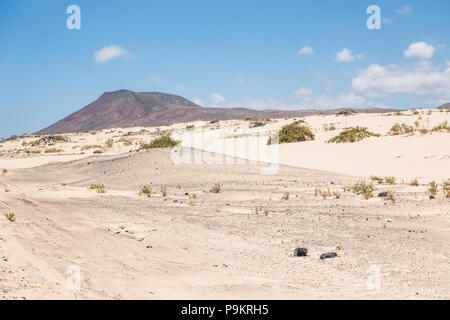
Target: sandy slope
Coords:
[(234, 244)]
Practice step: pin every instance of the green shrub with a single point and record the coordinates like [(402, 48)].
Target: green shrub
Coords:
[(162, 142), (293, 133), (398, 129), (352, 135), (361, 187), (442, 126)]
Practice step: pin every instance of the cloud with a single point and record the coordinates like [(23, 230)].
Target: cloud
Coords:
[(197, 101), (302, 92), (108, 53), (419, 49), (345, 55), (154, 79), (405, 10), (306, 51), (217, 98), (330, 101), (420, 79)]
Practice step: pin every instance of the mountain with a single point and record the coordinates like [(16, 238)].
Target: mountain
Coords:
[(124, 108), (445, 106)]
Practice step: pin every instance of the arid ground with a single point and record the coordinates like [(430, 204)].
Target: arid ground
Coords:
[(187, 242)]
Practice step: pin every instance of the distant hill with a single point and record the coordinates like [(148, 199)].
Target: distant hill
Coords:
[(445, 106), (124, 108)]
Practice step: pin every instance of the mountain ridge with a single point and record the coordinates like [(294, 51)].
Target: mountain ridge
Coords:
[(126, 108)]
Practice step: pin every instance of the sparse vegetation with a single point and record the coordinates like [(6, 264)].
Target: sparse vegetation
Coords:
[(10, 216), (293, 133), (146, 191), (4, 171), (216, 188), (164, 191), (399, 129), (109, 143), (162, 142), (433, 188), (390, 196), (414, 182), (389, 180), (446, 188), (285, 196), (329, 127), (376, 178), (363, 188), (443, 126), (92, 146), (99, 188), (350, 135)]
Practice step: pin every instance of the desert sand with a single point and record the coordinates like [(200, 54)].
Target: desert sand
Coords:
[(192, 243)]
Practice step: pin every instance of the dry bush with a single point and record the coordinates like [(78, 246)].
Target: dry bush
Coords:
[(285, 196), (389, 180), (293, 133), (146, 191), (4, 171), (363, 188), (350, 135), (216, 188), (164, 191), (433, 188), (162, 142), (99, 188), (376, 178), (414, 182), (10, 216), (443, 126), (390, 196), (92, 146), (109, 143), (446, 187), (399, 129)]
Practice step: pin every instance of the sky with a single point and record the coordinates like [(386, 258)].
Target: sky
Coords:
[(256, 54)]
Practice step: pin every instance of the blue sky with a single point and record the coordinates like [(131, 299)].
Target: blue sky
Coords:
[(258, 54)]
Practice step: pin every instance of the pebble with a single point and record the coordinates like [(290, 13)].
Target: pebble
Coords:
[(328, 255), (300, 251)]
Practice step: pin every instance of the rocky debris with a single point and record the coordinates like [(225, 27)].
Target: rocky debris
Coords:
[(328, 255), (432, 197), (98, 152), (383, 194), (300, 252)]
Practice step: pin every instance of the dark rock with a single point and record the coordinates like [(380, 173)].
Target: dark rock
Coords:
[(432, 197), (98, 151), (328, 255), (300, 252), (383, 194)]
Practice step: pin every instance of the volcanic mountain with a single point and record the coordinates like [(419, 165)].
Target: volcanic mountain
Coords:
[(124, 108)]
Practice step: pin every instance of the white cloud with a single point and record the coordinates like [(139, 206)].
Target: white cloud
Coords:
[(197, 101), (217, 98), (154, 79), (108, 53), (405, 10), (345, 55), (302, 92), (420, 79), (419, 49), (329, 101), (306, 51)]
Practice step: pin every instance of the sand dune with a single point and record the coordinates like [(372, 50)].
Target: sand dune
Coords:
[(238, 243)]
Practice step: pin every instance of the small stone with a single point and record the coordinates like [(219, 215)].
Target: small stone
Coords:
[(432, 197), (300, 252), (390, 220), (383, 194), (98, 152), (328, 255)]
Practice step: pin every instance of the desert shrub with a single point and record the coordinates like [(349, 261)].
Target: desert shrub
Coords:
[(376, 178), (389, 180), (99, 188), (363, 188), (53, 150), (293, 133), (329, 127), (4, 171), (442, 126), (256, 124), (146, 191), (109, 143), (414, 182), (164, 191), (350, 135), (162, 142), (216, 188), (390, 196), (92, 146), (10, 216), (399, 129), (433, 188), (347, 112), (446, 188), (285, 196)]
